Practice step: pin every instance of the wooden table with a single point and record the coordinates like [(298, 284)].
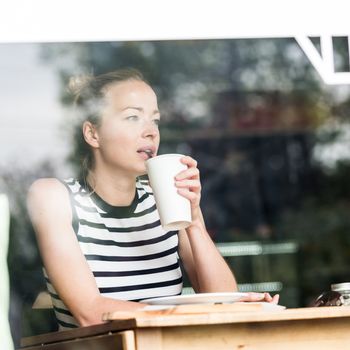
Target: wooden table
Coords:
[(303, 328)]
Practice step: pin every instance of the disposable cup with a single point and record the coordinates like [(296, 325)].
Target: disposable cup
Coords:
[(174, 209)]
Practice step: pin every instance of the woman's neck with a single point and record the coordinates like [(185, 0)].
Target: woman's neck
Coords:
[(116, 189)]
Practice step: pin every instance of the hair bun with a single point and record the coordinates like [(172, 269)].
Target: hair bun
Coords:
[(77, 83)]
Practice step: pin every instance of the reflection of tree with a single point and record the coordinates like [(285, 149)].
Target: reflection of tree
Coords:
[(191, 72), (321, 224), (267, 152), (188, 74), (246, 109)]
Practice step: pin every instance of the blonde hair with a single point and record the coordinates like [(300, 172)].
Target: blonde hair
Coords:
[(88, 92)]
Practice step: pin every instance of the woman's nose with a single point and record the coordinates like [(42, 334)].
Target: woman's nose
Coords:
[(150, 130)]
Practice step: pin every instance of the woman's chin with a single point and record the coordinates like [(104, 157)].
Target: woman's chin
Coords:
[(141, 171)]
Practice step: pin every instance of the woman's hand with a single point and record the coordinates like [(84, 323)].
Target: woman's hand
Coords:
[(252, 296), (189, 185)]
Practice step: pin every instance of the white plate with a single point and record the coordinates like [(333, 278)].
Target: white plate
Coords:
[(200, 298)]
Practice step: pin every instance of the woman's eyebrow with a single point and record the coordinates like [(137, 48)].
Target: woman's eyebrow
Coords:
[(140, 109)]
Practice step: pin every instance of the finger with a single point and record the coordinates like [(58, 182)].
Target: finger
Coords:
[(189, 161), (276, 299), (188, 173), (194, 185), (192, 196), (252, 296), (268, 297)]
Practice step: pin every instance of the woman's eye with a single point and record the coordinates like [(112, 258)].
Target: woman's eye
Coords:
[(156, 121), (132, 117)]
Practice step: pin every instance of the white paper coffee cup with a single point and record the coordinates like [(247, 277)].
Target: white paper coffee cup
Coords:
[(174, 209)]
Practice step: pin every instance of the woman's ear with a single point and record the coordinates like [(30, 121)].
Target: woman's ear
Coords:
[(90, 134)]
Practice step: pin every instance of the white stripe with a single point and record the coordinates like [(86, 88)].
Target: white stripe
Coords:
[(103, 234), (59, 304), (145, 185), (118, 222), (132, 265), (86, 201), (66, 318), (51, 288), (97, 249), (145, 204), (75, 187), (137, 280), (146, 293)]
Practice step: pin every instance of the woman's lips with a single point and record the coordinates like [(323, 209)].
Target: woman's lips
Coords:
[(147, 151), (146, 154)]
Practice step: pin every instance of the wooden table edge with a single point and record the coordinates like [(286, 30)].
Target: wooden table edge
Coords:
[(189, 319), (247, 316), (81, 332)]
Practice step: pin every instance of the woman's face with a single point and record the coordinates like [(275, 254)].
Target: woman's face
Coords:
[(128, 134)]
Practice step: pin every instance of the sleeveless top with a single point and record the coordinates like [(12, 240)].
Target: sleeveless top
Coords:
[(130, 255)]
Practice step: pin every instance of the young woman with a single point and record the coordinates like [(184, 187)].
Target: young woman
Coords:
[(100, 237)]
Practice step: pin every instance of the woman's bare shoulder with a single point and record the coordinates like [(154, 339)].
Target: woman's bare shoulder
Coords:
[(47, 191), (47, 186)]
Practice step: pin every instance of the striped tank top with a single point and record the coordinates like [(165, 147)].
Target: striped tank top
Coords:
[(130, 255)]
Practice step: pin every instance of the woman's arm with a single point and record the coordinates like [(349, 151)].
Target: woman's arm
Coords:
[(50, 212), (204, 265), (206, 268)]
